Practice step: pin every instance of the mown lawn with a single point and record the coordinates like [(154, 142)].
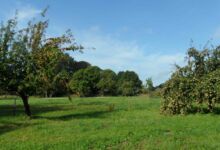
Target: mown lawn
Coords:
[(104, 123)]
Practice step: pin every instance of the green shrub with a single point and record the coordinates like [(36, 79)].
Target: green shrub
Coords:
[(195, 84)]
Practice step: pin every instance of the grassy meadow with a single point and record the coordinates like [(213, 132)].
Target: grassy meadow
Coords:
[(104, 123)]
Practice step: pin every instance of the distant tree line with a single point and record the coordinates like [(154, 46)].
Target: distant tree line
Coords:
[(93, 81), (196, 86)]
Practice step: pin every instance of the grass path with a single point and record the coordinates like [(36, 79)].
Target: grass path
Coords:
[(104, 123)]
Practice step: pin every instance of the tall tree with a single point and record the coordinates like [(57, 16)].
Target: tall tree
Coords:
[(128, 83), (15, 62), (28, 58)]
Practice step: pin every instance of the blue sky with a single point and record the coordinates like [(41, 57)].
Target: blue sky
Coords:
[(147, 36)]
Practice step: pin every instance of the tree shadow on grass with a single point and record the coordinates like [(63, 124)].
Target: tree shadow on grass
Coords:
[(10, 126), (38, 111), (8, 110), (85, 115)]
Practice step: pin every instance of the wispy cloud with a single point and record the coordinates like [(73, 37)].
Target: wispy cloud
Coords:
[(24, 13), (120, 55), (28, 12)]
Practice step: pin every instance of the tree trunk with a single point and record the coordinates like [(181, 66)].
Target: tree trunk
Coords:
[(24, 98)]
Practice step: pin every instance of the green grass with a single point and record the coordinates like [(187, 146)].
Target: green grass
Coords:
[(104, 123)]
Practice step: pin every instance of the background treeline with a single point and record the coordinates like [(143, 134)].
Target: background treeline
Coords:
[(94, 81), (82, 79), (68, 77), (196, 86)]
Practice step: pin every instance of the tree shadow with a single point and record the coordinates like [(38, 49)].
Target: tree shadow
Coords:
[(85, 115), (6, 126), (10, 126), (38, 112), (8, 110)]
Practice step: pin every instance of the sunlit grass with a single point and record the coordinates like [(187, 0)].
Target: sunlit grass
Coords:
[(104, 123)]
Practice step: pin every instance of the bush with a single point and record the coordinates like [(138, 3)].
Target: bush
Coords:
[(177, 95), (195, 84)]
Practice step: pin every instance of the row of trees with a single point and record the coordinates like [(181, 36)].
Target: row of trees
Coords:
[(93, 81), (194, 85)]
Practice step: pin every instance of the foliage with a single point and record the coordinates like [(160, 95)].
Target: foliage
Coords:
[(15, 61), (195, 84), (127, 88), (28, 60), (61, 72), (128, 83), (93, 81), (84, 82), (108, 83), (210, 89)]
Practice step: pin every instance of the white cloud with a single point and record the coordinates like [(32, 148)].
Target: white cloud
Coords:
[(28, 12), (120, 55), (25, 13)]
